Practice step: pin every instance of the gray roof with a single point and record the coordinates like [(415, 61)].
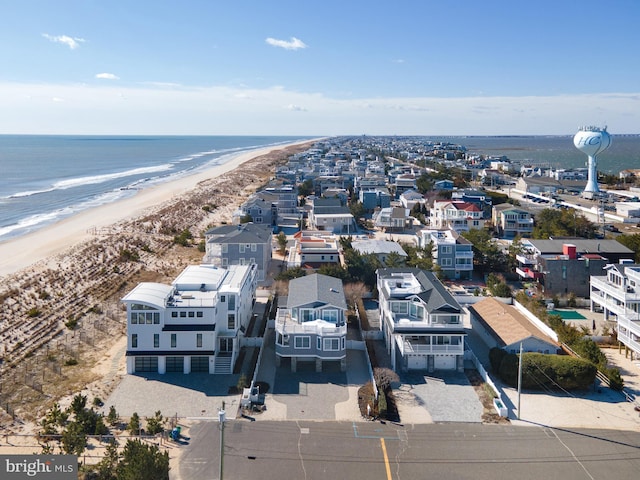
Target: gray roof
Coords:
[(316, 290), (583, 245), (436, 297), (243, 233)]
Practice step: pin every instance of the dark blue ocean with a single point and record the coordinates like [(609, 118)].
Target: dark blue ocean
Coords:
[(46, 178)]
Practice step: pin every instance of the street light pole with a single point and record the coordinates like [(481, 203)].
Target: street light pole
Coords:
[(221, 418), (519, 379)]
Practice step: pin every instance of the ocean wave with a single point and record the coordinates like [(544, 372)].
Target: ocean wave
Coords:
[(39, 220), (93, 179)]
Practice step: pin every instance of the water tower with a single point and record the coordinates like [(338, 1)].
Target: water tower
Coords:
[(592, 141)]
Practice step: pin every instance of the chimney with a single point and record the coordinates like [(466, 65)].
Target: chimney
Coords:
[(569, 250)]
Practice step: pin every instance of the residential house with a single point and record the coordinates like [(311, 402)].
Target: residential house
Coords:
[(329, 214), (392, 219), (503, 326), (446, 185), (618, 295), (381, 249), (411, 198), (478, 197), (420, 320), (242, 244), (450, 251), (511, 221), (565, 266), (194, 324), (311, 250), (311, 325), (375, 197), (456, 215)]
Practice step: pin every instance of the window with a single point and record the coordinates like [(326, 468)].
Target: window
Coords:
[(445, 262), (231, 321), (134, 340), (254, 247), (199, 314), (174, 314), (302, 342), (232, 302), (134, 318), (282, 340), (225, 248), (399, 307), (192, 314), (306, 315), (241, 248), (156, 340), (318, 343), (446, 249), (183, 314), (198, 340), (416, 311), (330, 316), (223, 298), (174, 340), (331, 344)]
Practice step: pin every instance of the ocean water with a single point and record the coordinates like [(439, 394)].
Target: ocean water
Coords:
[(46, 178), (555, 151)]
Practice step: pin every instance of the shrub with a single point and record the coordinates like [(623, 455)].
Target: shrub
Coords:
[(382, 403), (495, 358), (543, 372), (33, 312)]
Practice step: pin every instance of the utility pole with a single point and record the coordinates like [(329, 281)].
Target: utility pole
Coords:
[(519, 379), (221, 418)]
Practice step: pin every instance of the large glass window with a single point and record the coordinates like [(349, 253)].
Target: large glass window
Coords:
[(416, 311), (330, 316), (306, 315), (231, 321), (134, 340), (399, 307), (302, 342), (174, 340)]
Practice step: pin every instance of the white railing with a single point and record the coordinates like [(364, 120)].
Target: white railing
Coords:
[(287, 325), (409, 347), (616, 291)]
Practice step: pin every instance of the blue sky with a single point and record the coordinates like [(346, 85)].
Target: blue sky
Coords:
[(280, 67)]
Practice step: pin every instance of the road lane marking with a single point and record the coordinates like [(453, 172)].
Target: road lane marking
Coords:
[(386, 459)]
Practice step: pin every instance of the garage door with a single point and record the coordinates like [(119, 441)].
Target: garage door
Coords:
[(146, 364), (199, 364), (175, 364), (416, 362), (445, 362)]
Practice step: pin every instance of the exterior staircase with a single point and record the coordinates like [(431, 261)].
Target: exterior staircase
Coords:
[(223, 365)]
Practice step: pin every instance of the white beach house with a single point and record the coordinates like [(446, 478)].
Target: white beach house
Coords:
[(192, 325)]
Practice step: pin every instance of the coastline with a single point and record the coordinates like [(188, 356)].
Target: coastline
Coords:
[(25, 251)]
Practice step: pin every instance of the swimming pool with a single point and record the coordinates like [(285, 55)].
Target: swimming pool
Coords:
[(568, 314)]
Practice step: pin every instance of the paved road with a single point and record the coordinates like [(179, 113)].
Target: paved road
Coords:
[(312, 450)]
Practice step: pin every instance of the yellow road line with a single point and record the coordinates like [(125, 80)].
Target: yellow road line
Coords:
[(386, 459)]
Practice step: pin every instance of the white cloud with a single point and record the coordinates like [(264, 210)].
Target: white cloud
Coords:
[(293, 44), (105, 108), (57, 100), (71, 42), (107, 76)]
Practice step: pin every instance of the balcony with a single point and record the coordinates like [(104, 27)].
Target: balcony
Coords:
[(286, 325), (526, 272), (420, 347), (629, 331), (624, 294), (526, 259)]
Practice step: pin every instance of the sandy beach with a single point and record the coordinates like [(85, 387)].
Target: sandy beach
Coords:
[(19, 253)]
